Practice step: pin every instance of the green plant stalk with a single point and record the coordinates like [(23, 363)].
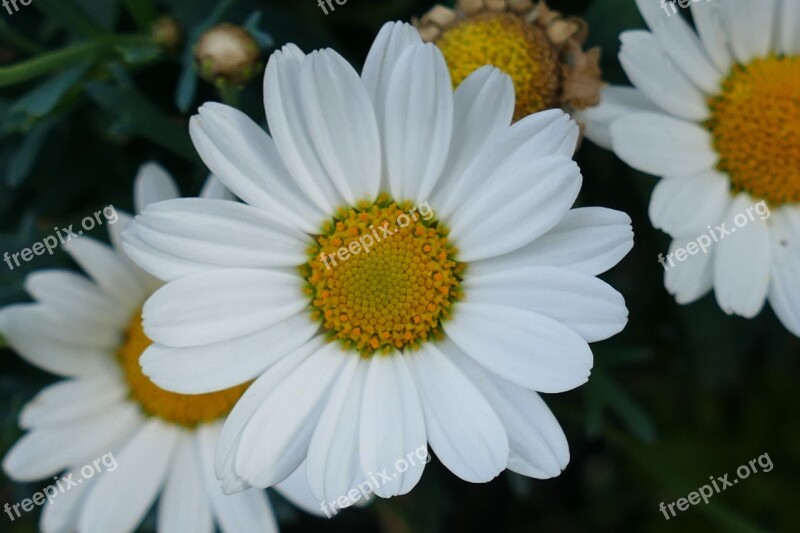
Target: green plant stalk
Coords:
[(66, 57), (17, 40)]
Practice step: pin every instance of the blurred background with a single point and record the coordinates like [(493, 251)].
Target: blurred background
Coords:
[(89, 91)]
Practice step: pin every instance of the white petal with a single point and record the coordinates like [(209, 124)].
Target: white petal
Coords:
[(542, 134), (742, 263), (242, 412), (333, 460), (245, 512), (615, 102), (149, 282), (784, 296), (20, 325), (245, 158), (588, 239), (789, 32), (538, 445), (483, 106), (183, 506), (463, 429), (120, 499), (164, 265), (393, 39), (109, 271), (685, 206), (48, 450), (275, 440), (225, 364), (66, 401), (342, 126), (220, 305), (153, 184), (651, 70), (62, 513), (535, 195), (751, 26), (662, 145), (585, 304), (526, 348), (690, 279), (220, 232), (419, 122), (74, 295), (708, 19), (295, 488), (290, 130), (392, 425), (214, 189)]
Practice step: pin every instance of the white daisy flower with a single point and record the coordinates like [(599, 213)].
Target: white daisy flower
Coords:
[(716, 113), (439, 332), (89, 331)]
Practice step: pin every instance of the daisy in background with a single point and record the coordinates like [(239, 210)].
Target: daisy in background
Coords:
[(441, 334), (716, 113), (536, 46), (89, 331)]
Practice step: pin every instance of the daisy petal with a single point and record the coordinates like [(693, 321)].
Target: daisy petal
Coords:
[(295, 489), (272, 447), (218, 366), (615, 102), (545, 186), (690, 279), (247, 511), (74, 295), (183, 506), (33, 457), (783, 294), (161, 264), (538, 446), (246, 159), (65, 401), (588, 239), (220, 232), (214, 189), (789, 31), (333, 460), (63, 512), (662, 145), (419, 122), (583, 303), (392, 425), (751, 26), (153, 184), (651, 70), (120, 500), (686, 206), (463, 429), (708, 19), (341, 125), (219, 305), (393, 39), (742, 262), (526, 348)]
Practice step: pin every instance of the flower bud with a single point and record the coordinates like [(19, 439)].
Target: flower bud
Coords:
[(227, 54)]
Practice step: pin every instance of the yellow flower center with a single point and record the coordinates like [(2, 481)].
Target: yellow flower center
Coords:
[(755, 124), (381, 277), (183, 409), (518, 48)]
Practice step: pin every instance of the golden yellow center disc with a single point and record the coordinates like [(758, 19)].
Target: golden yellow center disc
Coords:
[(381, 277), (755, 124), (518, 48)]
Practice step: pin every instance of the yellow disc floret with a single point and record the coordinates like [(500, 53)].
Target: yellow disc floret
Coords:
[(506, 41), (183, 409), (381, 277), (755, 124)]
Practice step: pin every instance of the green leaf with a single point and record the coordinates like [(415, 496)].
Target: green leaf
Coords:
[(139, 116), (44, 98), (21, 161), (3, 343), (602, 389)]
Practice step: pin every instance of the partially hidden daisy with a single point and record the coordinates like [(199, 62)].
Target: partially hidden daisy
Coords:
[(89, 331), (715, 113), (539, 48), (477, 290)]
